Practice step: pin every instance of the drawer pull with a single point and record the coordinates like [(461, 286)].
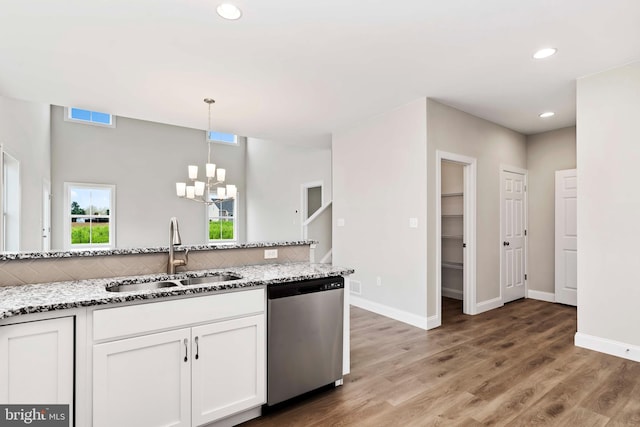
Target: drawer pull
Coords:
[(197, 349), (186, 350)]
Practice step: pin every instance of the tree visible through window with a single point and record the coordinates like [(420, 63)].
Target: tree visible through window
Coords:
[(222, 224), (90, 215)]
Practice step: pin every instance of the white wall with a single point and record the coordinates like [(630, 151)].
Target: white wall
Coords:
[(24, 133), (457, 132), (144, 160), (379, 182), (275, 173), (608, 158), (546, 153)]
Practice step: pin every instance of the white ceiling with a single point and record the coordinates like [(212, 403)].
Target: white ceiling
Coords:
[(298, 70)]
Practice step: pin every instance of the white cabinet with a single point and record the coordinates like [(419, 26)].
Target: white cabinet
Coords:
[(37, 362), (143, 381), (202, 370), (228, 368)]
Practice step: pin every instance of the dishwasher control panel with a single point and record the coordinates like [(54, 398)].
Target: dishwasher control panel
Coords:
[(304, 287)]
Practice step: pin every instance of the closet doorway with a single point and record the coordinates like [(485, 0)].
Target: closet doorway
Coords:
[(9, 202), (455, 232)]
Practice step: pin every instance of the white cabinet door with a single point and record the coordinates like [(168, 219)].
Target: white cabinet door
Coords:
[(143, 381), (36, 362), (566, 242), (228, 368)]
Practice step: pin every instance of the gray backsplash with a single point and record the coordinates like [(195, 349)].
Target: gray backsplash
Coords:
[(44, 270)]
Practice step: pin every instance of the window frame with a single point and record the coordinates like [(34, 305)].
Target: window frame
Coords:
[(218, 141), (67, 216), (234, 218), (68, 118)]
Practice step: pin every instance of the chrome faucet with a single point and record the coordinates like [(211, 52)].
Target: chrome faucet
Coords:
[(174, 240)]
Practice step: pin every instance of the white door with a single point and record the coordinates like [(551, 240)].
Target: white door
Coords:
[(566, 266), (36, 363), (228, 368), (46, 215), (143, 381), (10, 203), (513, 236)]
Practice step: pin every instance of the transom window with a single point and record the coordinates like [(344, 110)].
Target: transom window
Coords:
[(225, 138), (222, 220), (79, 115), (90, 220)]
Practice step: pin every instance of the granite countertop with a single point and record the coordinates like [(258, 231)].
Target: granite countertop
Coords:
[(7, 256), (43, 297)]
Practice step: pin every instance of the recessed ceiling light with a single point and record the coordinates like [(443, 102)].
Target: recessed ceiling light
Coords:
[(545, 53), (547, 114), (229, 11)]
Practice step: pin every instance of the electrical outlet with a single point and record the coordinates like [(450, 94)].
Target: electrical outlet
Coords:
[(340, 222), (379, 281), (413, 222), (270, 253)]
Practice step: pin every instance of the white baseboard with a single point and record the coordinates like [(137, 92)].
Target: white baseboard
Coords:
[(452, 293), (542, 296), (483, 306), (393, 313), (240, 418), (433, 322), (604, 345)]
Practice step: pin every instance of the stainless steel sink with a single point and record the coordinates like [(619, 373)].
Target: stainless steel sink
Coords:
[(143, 286), (189, 281), (211, 279)]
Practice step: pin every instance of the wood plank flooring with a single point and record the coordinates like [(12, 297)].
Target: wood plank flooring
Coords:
[(513, 366)]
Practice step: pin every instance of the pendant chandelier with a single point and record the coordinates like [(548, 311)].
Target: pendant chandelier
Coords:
[(202, 191)]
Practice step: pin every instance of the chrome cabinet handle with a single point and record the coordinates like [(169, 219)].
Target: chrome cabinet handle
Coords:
[(197, 349), (186, 350)]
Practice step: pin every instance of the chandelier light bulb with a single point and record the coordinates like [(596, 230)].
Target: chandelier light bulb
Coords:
[(199, 185), (181, 189), (191, 192), (231, 191), (193, 172), (211, 170)]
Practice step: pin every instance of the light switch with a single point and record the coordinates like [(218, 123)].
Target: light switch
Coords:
[(413, 222), (340, 222)]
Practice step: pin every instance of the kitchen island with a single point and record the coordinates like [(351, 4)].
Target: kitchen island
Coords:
[(195, 354)]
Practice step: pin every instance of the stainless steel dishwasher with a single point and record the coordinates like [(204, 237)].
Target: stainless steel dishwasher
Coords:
[(304, 336)]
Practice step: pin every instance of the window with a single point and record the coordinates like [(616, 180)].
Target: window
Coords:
[(226, 138), (89, 213), (222, 220), (79, 115)]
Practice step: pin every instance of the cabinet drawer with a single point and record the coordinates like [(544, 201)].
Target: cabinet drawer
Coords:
[(117, 322)]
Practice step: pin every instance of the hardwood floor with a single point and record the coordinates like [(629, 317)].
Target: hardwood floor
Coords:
[(513, 366)]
